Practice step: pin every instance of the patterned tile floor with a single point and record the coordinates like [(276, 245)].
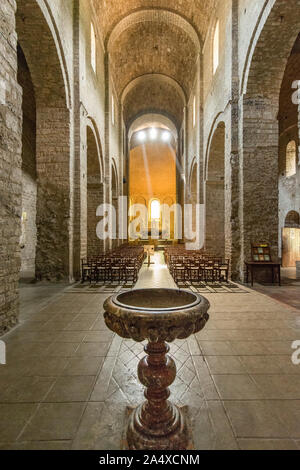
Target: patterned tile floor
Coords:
[(68, 379)]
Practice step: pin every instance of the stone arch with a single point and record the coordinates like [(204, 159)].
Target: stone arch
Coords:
[(95, 190), (264, 13), (215, 192), (154, 77), (218, 120), (49, 76), (153, 93), (91, 124), (154, 111), (276, 33), (34, 20), (152, 120)]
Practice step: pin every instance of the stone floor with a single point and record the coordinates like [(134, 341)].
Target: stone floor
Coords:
[(68, 379), (289, 293)]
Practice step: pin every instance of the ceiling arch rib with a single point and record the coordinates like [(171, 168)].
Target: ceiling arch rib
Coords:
[(153, 94), (196, 12), (152, 120), (153, 77), (157, 16)]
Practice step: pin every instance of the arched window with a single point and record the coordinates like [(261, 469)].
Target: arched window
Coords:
[(155, 209), (291, 153), (93, 48), (292, 219), (216, 47)]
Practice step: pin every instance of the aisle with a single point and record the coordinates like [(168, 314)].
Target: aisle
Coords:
[(157, 275)]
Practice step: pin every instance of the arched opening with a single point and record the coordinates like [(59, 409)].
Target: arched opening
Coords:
[(47, 140), (289, 174), (292, 220), (95, 194), (291, 240), (215, 193), (269, 124), (29, 174), (153, 172)]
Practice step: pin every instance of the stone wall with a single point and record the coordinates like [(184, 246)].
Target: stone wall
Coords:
[(215, 194), (29, 176), (95, 246), (10, 169)]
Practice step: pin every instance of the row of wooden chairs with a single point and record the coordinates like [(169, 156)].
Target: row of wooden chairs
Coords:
[(196, 266), (120, 266)]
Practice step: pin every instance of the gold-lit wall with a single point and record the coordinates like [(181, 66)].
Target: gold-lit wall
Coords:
[(153, 175)]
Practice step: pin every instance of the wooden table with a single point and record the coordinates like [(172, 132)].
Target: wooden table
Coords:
[(251, 266)]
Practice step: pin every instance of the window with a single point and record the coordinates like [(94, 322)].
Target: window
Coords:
[(291, 152), (93, 48), (292, 219), (194, 112), (155, 210), (216, 47), (113, 110)]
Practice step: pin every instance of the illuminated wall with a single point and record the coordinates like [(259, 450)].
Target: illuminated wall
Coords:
[(153, 175)]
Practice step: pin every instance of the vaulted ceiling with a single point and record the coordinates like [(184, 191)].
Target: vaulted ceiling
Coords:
[(196, 12), (158, 37), (154, 94)]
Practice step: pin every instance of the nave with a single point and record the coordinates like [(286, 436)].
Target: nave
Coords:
[(69, 379)]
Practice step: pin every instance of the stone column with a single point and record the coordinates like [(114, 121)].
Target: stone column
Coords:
[(53, 201), (95, 246), (233, 182), (10, 168), (215, 217), (260, 174), (78, 152), (107, 160)]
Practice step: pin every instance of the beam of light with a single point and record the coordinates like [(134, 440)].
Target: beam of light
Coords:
[(166, 136), (146, 166), (153, 133), (142, 136), (177, 163)]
